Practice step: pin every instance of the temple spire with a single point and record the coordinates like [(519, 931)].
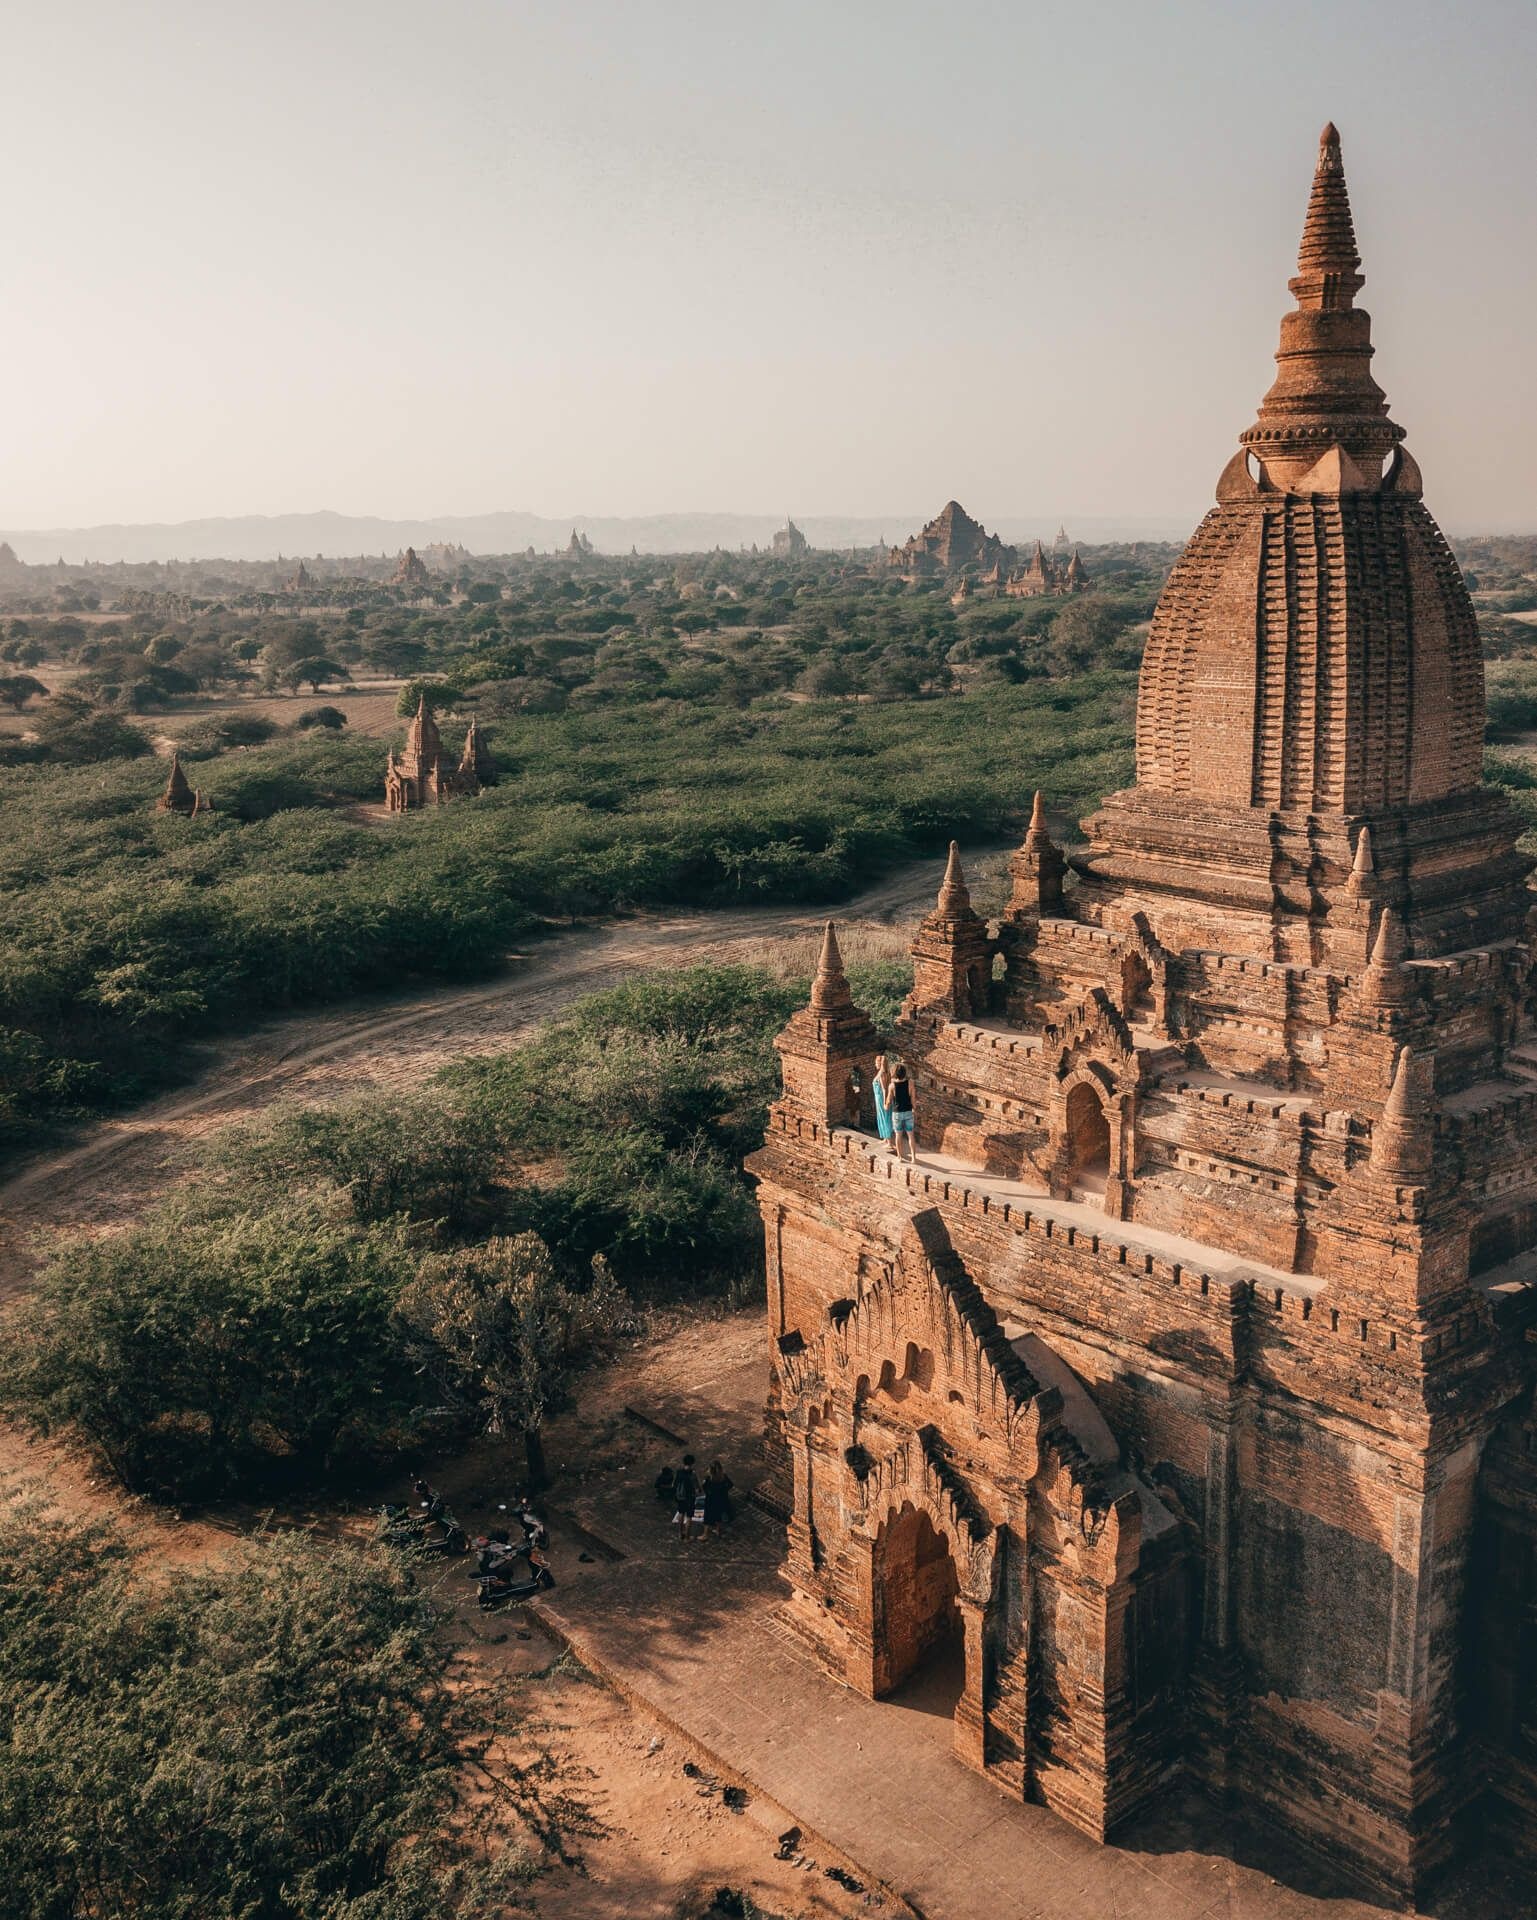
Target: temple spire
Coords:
[(953, 895), (830, 989), (1323, 426), (1328, 261)]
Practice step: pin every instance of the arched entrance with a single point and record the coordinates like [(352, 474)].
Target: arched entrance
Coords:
[(1088, 1137), (919, 1646)]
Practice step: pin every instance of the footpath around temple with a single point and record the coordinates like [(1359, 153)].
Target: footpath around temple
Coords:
[(1184, 1397)]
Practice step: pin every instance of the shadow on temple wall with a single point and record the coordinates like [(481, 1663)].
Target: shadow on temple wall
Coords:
[(1185, 1823)]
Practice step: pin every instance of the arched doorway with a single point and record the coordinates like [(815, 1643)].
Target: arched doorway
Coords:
[(1088, 1137), (919, 1647)]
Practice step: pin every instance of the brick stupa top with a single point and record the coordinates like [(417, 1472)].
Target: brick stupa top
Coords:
[(1315, 648)]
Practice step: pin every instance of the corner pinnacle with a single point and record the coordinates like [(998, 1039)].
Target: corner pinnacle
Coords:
[(953, 895), (1391, 944), (830, 988)]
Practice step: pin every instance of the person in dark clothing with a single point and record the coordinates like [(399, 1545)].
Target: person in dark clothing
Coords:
[(903, 1119), (717, 1499), (685, 1490)]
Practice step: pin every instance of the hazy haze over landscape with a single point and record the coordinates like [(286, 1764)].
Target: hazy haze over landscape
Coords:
[(845, 262)]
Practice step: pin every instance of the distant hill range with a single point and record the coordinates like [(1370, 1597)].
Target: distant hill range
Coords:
[(339, 535)]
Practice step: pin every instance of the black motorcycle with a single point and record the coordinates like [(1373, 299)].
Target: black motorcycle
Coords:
[(431, 1530), (503, 1577)]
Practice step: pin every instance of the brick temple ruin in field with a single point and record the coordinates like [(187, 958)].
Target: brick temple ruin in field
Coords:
[(421, 776), (1184, 1387)]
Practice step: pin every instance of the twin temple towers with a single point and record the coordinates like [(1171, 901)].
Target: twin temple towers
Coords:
[(1184, 1391)]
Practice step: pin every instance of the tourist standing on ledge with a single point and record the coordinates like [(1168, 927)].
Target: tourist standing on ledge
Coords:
[(903, 1119), (882, 1090)]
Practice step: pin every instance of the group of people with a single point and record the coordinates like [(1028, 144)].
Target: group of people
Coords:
[(895, 1115), (701, 1505)]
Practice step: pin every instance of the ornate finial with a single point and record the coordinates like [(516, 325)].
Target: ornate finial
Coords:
[(830, 989), (953, 895), (1328, 234)]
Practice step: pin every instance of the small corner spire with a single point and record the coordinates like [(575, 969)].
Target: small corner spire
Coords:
[(1391, 944), (953, 894), (830, 988), (1408, 1096), (1363, 863)]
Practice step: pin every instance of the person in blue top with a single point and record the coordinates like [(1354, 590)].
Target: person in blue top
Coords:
[(881, 1086)]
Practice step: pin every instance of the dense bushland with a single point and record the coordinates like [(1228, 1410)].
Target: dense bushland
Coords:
[(124, 931), (274, 1739), (320, 1299)]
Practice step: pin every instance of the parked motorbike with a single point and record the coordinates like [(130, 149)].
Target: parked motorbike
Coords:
[(431, 1530), (511, 1576)]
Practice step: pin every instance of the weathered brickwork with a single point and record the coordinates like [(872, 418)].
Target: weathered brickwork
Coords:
[(1184, 1382)]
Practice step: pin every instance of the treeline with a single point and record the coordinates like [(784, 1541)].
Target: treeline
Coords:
[(125, 932), (540, 638)]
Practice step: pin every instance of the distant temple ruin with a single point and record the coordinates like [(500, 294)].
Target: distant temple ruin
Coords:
[(1182, 1393), (790, 543), (953, 543), (179, 796), (411, 571), (420, 777)]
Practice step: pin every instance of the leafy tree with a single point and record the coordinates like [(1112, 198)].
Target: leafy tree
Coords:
[(16, 689), (331, 718), (72, 731), (315, 672), (200, 1355), (438, 694), (277, 1739), (503, 1335), (416, 1157)]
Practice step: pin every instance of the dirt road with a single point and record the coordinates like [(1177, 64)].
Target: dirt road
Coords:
[(123, 1162)]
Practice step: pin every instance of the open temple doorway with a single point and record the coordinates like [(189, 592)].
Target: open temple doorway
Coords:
[(919, 1643), (1088, 1139)]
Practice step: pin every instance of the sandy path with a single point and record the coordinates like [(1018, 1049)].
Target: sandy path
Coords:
[(123, 1162)]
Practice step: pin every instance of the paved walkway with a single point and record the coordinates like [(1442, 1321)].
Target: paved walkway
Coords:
[(693, 1633)]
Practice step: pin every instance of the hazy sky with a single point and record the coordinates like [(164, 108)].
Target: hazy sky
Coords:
[(638, 256)]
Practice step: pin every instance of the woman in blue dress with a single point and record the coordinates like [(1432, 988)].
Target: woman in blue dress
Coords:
[(882, 1090)]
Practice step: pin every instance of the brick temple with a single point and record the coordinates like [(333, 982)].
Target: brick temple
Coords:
[(422, 775), (1181, 1397)]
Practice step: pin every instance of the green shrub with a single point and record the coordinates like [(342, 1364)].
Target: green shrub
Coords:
[(202, 1355), (277, 1738)]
